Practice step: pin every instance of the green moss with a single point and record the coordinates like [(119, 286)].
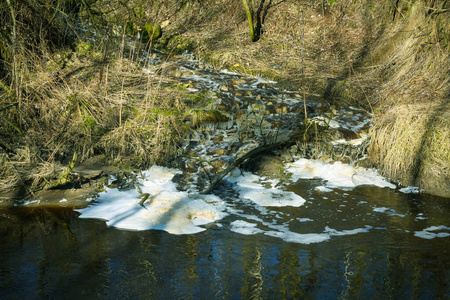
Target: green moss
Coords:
[(181, 44), (151, 32), (166, 112), (131, 28)]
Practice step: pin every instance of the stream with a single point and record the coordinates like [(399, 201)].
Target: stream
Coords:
[(328, 229)]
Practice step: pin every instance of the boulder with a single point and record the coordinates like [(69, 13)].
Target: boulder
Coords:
[(151, 32)]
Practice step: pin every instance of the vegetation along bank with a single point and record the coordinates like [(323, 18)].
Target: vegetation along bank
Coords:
[(73, 90)]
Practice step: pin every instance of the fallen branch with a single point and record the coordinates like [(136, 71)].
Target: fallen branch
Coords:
[(9, 105), (278, 141)]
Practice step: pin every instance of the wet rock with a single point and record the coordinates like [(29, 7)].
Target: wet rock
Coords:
[(257, 107), (217, 152), (348, 134), (281, 109), (240, 80), (177, 73), (192, 154), (190, 166), (218, 138), (151, 32), (218, 164)]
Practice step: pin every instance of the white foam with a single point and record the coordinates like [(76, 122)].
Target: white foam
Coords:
[(28, 202), (250, 187), (390, 211), (323, 189), (410, 190), (243, 227), (336, 174), (299, 238), (304, 220), (226, 71), (381, 209), (326, 122), (420, 217), (335, 232), (167, 209), (310, 238), (428, 234)]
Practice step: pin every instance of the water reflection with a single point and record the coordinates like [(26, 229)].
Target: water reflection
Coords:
[(50, 253)]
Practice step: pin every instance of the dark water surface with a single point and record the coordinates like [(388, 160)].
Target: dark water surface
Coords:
[(50, 253)]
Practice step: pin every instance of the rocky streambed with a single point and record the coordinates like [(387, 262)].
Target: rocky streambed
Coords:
[(242, 121), (247, 113)]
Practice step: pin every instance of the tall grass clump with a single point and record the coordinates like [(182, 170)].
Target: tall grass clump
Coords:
[(411, 139), (411, 144), (78, 91)]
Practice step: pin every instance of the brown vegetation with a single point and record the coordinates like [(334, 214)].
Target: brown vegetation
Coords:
[(60, 96), (390, 57)]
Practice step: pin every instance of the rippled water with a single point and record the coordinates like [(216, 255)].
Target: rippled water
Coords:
[(51, 253)]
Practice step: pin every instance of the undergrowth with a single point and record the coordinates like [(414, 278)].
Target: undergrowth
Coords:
[(64, 89)]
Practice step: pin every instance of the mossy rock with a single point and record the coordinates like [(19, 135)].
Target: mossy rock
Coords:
[(131, 28), (151, 32), (180, 44)]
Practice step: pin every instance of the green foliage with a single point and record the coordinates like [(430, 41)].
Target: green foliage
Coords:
[(200, 116), (166, 112), (89, 122), (179, 44), (131, 28), (84, 48), (151, 32), (184, 86)]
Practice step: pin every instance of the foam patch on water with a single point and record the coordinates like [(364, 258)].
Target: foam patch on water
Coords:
[(28, 202), (390, 211), (282, 231), (299, 238), (337, 175), (428, 233), (322, 189), (251, 187), (243, 227), (304, 219), (312, 238), (410, 190), (166, 209)]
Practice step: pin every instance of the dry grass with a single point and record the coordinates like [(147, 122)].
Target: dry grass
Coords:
[(117, 110), (411, 139), (411, 143), (355, 53)]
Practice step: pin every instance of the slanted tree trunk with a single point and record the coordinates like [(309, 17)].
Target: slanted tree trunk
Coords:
[(281, 139), (251, 27)]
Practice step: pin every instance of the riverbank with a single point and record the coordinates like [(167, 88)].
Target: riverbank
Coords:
[(389, 58), (91, 99)]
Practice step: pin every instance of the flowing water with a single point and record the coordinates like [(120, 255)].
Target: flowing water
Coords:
[(327, 230)]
